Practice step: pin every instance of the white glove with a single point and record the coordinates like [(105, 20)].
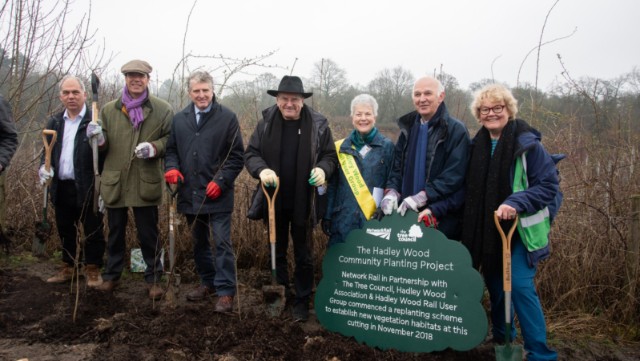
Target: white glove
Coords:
[(101, 207), (316, 178), (145, 150), (268, 178), (414, 202), (95, 130), (390, 201), (44, 175)]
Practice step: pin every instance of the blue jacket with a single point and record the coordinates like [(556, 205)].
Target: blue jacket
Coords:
[(211, 150), (342, 209), (447, 159), (543, 183)]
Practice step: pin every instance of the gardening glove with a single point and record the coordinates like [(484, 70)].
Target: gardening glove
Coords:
[(428, 218), (173, 176), (268, 178), (213, 190), (44, 175), (146, 150), (316, 178), (414, 202), (101, 206), (326, 227), (95, 130), (390, 201), (378, 214)]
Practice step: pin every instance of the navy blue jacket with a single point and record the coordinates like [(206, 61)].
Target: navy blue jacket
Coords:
[(447, 159), (342, 207), (209, 151)]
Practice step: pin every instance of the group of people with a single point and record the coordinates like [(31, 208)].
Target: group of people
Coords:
[(450, 181)]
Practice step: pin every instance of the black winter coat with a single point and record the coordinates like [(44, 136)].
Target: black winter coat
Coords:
[(82, 159), (209, 151)]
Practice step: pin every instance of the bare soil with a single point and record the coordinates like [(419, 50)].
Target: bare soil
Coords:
[(40, 321)]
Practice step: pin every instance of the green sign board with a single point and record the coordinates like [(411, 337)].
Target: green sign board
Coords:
[(397, 284)]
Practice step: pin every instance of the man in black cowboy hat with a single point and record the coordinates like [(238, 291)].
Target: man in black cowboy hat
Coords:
[(293, 144)]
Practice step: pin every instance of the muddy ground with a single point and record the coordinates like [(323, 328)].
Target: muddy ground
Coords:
[(40, 321)]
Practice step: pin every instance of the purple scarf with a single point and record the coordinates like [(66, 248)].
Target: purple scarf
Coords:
[(134, 106)]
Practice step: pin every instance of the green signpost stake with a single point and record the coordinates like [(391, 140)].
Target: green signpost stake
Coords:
[(397, 284)]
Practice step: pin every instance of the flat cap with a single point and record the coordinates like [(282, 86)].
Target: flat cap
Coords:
[(136, 66)]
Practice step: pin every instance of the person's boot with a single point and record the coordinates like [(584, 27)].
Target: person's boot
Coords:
[(155, 291), (224, 304), (93, 276), (64, 274)]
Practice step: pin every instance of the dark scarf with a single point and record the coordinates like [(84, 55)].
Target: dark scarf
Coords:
[(488, 184), (358, 140), (270, 148), (415, 168)]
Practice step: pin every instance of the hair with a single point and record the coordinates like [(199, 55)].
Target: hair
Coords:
[(67, 77), (200, 76), (438, 82), (365, 99), (494, 93)]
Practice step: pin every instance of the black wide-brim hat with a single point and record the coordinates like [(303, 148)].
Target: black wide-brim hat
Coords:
[(290, 84)]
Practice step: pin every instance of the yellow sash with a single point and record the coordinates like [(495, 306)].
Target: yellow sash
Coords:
[(356, 182)]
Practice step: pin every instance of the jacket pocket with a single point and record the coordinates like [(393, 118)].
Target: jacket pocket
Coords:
[(150, 188), (110, 186)]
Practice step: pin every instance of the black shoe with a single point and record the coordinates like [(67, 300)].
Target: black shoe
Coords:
[(301, 311)]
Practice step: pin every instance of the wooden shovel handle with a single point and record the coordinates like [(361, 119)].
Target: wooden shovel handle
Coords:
[(271, 205), (506, 251), (48, 146)]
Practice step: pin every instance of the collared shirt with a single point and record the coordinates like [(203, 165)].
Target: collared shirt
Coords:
[(65, 168), (200, 113)]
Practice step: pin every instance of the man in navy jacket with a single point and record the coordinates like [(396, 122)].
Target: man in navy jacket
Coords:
[(204, 156)]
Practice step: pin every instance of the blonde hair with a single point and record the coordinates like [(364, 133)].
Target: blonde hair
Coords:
[(494, 93)]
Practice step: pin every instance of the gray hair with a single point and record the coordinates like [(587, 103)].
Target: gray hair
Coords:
[(365, 99), (200, 76), (68, 77)]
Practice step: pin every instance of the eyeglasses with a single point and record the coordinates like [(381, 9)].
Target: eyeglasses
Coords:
[(496, 109)]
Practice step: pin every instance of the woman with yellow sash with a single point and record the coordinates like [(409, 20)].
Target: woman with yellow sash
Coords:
[(365, 158)]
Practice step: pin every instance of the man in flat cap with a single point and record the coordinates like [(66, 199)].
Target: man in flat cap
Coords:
[(133, 136), (293, 144)]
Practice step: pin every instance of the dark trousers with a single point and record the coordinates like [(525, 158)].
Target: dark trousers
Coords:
[(218, 272), (146, 219), (303, 273), (69, 217)]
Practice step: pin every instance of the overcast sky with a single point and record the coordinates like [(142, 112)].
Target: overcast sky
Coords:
[(363, 37)]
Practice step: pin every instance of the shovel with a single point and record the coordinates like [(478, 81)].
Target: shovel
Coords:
[(273, 294), (43, 229), (507, 352), (95, 84), (170, 296)]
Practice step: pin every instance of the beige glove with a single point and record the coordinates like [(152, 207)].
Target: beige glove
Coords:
[(316, 178), (268, 178)]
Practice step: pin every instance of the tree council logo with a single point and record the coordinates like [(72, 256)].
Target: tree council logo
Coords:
[(414, 233)]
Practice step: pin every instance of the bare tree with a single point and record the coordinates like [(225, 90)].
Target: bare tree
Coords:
[(392, 89)]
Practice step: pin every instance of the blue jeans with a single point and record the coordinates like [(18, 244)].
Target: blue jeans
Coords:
[(221, 273), (526, 303)]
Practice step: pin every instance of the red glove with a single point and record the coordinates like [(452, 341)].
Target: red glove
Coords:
[(430, 221), (213, 190), (173, 176)]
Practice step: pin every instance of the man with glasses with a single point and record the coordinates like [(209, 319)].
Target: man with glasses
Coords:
[(133, 136), (293, 144), (430, 159)]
